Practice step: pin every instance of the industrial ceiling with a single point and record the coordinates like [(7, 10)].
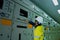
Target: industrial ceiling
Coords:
[(49, 8)]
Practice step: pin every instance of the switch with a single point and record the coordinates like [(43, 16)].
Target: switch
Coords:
[(1, 34), (8, 36)]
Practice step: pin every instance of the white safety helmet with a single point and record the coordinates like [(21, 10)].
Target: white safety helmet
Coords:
[(39, 19)]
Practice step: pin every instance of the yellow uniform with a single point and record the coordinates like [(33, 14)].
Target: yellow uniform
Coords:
[(39, 33)]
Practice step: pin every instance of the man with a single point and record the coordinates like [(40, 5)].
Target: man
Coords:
[(39, 29)]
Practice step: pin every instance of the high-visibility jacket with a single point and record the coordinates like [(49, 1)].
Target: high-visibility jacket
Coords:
[(39, 33)]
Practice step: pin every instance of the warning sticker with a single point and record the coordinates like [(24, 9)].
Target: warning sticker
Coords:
[(6, 22)]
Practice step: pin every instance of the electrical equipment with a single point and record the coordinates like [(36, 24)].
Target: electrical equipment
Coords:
[(21, 32), (5, 29), (6, 20), (20, 26), (14, 17)]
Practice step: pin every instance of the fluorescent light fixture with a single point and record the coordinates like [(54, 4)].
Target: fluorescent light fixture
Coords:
[(33, 6), (58, 11), (55, 2), (36, 8), (45, 14)]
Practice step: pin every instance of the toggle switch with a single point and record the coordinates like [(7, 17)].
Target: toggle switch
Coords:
[(1, 34)]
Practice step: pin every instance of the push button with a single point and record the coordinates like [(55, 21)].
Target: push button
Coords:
[(1, 34)]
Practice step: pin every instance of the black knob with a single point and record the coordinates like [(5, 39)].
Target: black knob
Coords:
[(1, 34)]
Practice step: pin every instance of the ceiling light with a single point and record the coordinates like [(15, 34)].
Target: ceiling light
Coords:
[(33, 6), (55, 2), (58, 11)]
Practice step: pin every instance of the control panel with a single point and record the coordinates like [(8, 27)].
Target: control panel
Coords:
[(6, 19)]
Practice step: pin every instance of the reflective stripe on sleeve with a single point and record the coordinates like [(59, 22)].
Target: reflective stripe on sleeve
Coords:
[(36, 36)]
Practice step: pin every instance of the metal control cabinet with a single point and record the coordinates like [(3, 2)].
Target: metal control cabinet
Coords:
[(11, 11), (23, 33), (52, 35), (5, 32), (6, 20), (20, 27)]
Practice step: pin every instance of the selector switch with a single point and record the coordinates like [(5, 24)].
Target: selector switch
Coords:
[(1, 34), (8, 36), (4, 15)]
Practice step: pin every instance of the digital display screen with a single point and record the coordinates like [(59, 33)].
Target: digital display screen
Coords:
[(23, 13), (1, 4)]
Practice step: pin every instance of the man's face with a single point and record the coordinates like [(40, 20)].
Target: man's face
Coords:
[(36, 23)]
